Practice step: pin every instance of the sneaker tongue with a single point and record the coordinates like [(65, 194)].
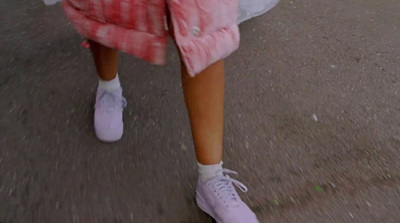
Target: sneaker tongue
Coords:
[(110, 101), (227, 190)]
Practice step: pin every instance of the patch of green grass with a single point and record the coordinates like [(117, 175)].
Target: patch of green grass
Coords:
[(318, 188), (275, 202)]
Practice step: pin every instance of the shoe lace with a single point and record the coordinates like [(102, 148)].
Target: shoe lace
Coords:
[(224, 188), (110, 101)]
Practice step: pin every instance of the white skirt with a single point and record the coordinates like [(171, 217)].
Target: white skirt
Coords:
[(248, 8), (252, 8)]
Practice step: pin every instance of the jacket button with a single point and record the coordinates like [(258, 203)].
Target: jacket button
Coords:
[(196, 31)]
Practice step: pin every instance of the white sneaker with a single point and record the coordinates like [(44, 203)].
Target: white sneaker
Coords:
[(219, 199), (108, 123)]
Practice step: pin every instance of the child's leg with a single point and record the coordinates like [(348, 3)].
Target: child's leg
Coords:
[(216, 194), (108, 120), (204, 97), (105, 59)]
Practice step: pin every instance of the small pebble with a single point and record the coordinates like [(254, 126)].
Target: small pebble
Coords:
[(183, 147), (314, 117)]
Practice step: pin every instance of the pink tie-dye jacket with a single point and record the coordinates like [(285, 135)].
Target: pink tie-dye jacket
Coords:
[(205, 30)]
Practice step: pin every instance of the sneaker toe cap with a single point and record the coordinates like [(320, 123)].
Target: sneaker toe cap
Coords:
[(241, 215), (108, 128)]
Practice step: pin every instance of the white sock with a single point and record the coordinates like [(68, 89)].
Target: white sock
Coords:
[(207, 172), (110, 85)]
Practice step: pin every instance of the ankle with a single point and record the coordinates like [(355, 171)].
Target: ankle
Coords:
[(207, 172), (110, 85)]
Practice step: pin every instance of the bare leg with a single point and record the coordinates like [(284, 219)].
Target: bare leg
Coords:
[(105, 59), (204, 97), (109, 106)]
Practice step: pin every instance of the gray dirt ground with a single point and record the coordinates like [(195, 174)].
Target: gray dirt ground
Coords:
[(337, 59)]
